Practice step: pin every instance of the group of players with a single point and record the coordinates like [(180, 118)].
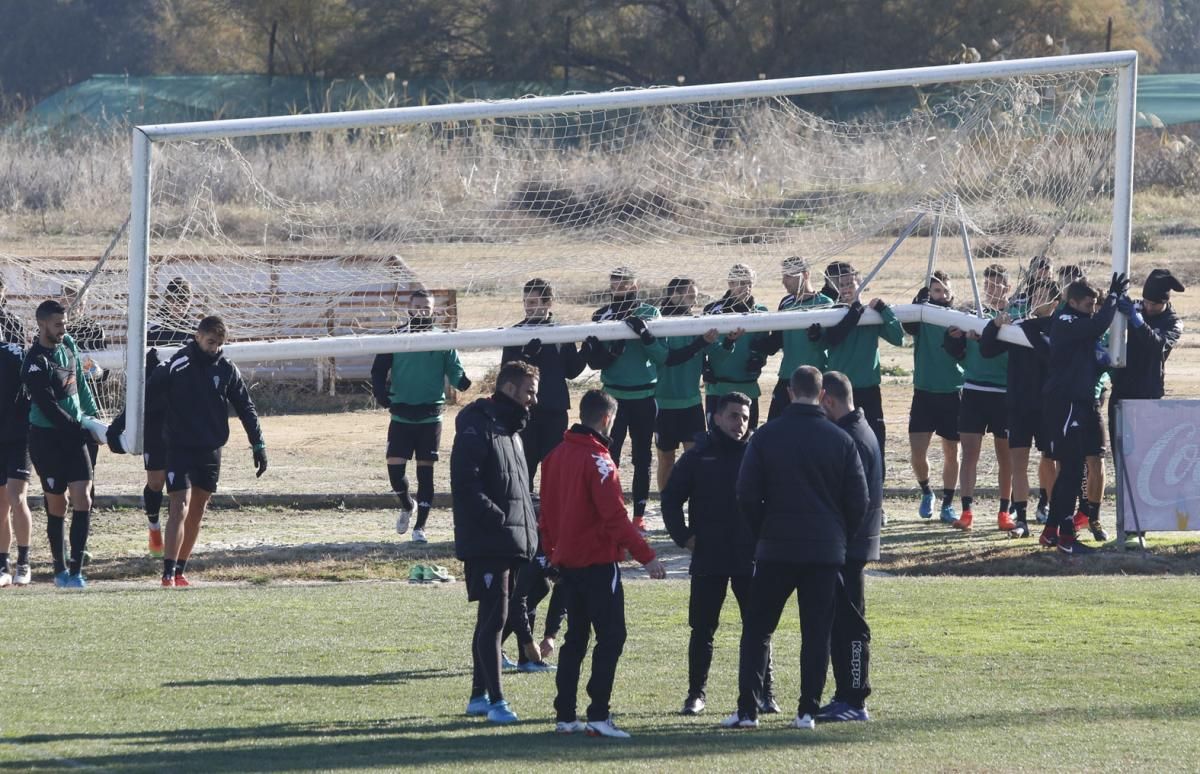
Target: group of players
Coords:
[(48, 417)]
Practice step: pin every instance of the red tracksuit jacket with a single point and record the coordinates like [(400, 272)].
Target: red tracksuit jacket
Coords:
[(584, 521)]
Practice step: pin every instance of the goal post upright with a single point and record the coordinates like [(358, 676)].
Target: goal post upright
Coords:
[(1123, 193), (137, 300)]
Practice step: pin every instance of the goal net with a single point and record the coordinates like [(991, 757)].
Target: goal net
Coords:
[(308, 234)]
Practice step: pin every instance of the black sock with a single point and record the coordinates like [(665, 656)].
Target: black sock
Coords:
[(55, 527), (424, 494), (152, 502), (81, 522), (925, 490), (1041, 499), (947, 498), (168, 568), (22, 554), (1004, 505), (1022, 509), (3, 562), (180, 566), (398, 479), (1093, 511), (967, 502)]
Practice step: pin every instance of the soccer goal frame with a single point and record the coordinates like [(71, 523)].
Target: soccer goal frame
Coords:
[(1124, 63)]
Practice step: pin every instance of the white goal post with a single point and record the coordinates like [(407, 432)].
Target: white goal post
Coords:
[(1122, 63)]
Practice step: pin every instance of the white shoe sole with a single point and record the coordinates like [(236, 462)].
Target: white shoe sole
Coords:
[(402, 522)]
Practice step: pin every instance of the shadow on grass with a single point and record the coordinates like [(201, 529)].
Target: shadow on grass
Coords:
[(421, 742), (328, 681)]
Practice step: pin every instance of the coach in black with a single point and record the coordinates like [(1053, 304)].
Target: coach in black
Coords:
[(495, 529), (1069, 402), (850, 645), (720, 542), (803, 493)]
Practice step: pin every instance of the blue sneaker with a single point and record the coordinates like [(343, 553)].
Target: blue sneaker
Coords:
[(506, 662), (478, 706), (926, 509), (75, 582), (841, 712), (60, 579), (949, 516), (500, 712), (535, 666)]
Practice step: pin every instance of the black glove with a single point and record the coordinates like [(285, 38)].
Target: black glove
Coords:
[(856, 307), (590, 344), (638, 326), (260, 461), (922, 295), (114, 439), (85, 436), (814, 332), (464, 383), (1119, 285), (879, 305), (532, 349), (152, 360), (755, 363)]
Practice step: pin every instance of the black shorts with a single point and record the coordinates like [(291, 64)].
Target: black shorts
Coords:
[(673, 427), (15, 464), (58, 461), (1026, 430), (414, 441), (154, 454), (983, 412), (200, 468), (1075, 427), (935, 412), (489, 576)]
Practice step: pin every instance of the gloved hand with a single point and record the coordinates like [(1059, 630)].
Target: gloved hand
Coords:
[(1119, 285), (464, 383), (260, 461), (922, 295), (152, 359), (856, 307), (638, 326), (114, 440), (755, 363), (85, 436), (878, 305), (1102, 357), (532, 349), (590, 343), (814, 332)]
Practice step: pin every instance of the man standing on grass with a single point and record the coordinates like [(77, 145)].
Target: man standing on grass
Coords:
[(629, 373), (198, 385), (937, 392), (718, 539), (803, 492), (1069, 403), (413, 386), (586, 532), (850, 643), (801, 346), (495, 529), (15, 468), (58, 440)]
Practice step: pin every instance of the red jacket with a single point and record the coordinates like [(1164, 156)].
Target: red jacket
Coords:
[(584, 521)]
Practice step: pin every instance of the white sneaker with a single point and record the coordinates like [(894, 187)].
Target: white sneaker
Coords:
[(5, 579), (23, 576), (605, 728), (805, 722), (418, 536), (402, 521), (570, 727), (737, 721)]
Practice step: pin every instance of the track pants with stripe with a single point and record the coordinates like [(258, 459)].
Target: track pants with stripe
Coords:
[(595, 602), (850, 643), (1070, 422)]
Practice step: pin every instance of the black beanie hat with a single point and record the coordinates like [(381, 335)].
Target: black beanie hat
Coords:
[(1159, 285)]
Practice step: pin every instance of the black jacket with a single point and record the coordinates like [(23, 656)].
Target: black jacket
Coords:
[(802, 488), (1148, 347), (14, 403), (493, 510), (864, 546), (1073, 339), (705, 477), (197, 390), (1026, 365), (556, 363), (154, 422)]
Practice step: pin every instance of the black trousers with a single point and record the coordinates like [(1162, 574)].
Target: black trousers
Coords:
[(779, 400), (710, 410), (595, 602), (492, 596), (704, 616), (635, 418), (850, 642), (815, 586), (531, 587), (870, 400), (1069, 424), (542, 433)]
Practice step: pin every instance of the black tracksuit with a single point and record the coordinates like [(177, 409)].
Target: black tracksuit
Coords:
[(850, 643), (14, 402), (1069, 405), (1147, 350), (1026, 375), (556, 363), (495, 529), (803, 493), (198, 389), (705, 478)]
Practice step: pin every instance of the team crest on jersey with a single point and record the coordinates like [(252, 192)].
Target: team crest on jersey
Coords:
[(216, 382), (604, 466)]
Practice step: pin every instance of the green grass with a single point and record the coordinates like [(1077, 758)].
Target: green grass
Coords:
[(969, 673)]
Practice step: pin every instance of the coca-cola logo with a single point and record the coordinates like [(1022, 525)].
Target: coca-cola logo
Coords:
[(1169, 472)]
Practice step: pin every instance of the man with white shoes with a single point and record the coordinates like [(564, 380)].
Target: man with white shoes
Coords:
[(15, 468)]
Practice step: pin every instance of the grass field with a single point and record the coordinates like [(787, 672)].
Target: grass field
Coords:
[(1001, 674)]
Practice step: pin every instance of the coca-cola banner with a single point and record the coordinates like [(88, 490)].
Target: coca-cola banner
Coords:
[(1161, 453)]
